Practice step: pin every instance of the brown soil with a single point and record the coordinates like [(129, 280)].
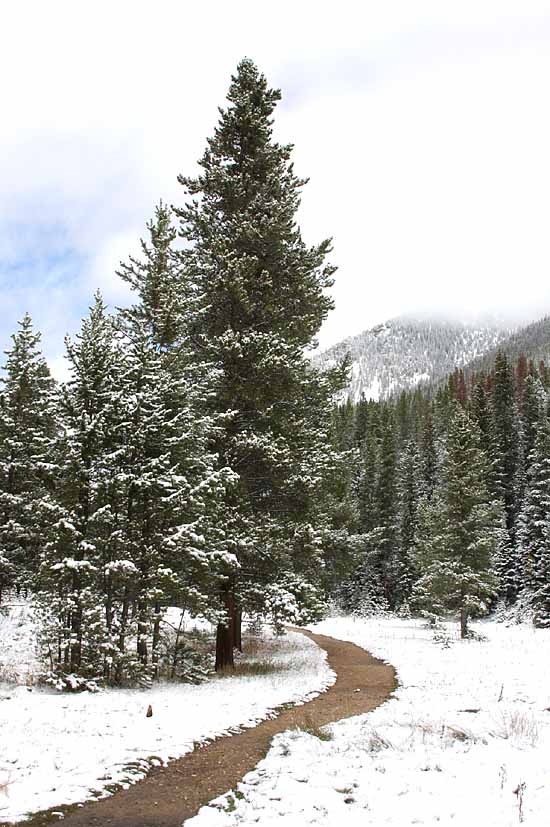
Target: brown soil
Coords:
[(171, 794)]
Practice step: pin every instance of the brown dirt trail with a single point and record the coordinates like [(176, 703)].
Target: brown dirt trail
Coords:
[(171, 794)]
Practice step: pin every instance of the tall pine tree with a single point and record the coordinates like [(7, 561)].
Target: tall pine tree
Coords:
[(461, 532), (534, 527), (27, 460), (263, 302)]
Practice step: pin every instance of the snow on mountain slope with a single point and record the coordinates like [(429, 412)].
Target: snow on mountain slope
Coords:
[(404, 352), (532, 340)]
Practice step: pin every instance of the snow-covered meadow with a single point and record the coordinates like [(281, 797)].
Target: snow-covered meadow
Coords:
[(464, 741), (56, 748)]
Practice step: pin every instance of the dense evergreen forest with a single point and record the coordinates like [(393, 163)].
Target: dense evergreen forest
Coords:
[(196, 458), (452, 495)]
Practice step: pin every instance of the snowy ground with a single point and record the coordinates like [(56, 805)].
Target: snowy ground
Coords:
[(55, 748), (17, 655), (421, 758)]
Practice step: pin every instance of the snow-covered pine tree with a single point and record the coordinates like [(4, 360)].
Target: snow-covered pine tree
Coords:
[(138, 520), (169, 480), (27, 463), (361, 420), (164, 301), (7, 573), (533, 527), (263, 302), (428, 455), (481, 413), (539, 580), (504, 435), (78, 606), (532, 411), (384, 540), (410, 488), (428, 551), (459, 534), (356, 592), (365, 486)]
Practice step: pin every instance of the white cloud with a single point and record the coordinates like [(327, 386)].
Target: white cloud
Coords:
[(102, 272), (423, 126)]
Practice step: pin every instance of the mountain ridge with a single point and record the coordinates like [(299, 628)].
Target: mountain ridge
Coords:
[(408, 351)]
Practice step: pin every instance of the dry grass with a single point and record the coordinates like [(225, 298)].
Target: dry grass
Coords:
[(309, 726), (518, 724), (260, 657), (4, 784), (8, 673), (246, 668)]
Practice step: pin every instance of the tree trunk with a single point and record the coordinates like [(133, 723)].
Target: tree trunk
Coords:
[(225, 636), (142, 633), (238, 628), (109, 627), (76, 629), (122, 633), (176, 647), (156, 640), (463, 623)]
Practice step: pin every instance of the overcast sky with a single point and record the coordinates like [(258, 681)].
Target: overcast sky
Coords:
[(424, 127)]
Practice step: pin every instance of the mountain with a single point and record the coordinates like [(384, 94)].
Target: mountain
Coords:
[(533, 341), (404, 352)]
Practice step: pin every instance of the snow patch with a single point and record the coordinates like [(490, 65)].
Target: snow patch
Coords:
[(463, 742), (58, 748)]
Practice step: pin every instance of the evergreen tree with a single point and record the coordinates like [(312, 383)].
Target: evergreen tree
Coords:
[(460, 534), (27, 462), (7, 574), (367, 481), (481, 413), (362, 418), (533, 409), (539, 580), (505, 442), (533, 535), (522, 369), (157, 278), (409, 496), (384, 540), (138, 523), (171, 481), (78, 603), (428, 456), (263, 302), (346, 426)]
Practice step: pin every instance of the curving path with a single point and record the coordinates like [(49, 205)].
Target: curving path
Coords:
[(171, 794)]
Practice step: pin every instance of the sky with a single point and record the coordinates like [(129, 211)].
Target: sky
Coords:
[(424, 129)]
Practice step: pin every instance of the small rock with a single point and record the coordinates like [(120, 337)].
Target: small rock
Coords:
[(149, 713)]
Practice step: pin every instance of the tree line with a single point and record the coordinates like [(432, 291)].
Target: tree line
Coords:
[(195, 456), (188, 460), (452, 495)]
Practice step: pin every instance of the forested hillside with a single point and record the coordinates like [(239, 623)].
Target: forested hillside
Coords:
[(532, 341), (406, 352), (452, 495)]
